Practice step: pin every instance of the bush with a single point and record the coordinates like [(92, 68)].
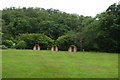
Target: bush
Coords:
[(64, 42), (8, 43), (21, 45), (3, 47), (32, 39)]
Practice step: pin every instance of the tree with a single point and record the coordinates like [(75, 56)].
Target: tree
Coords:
[(109, 29), (64, 42), (21, 45), (32, 39)]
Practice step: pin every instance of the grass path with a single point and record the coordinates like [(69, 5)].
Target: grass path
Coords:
[(47, 64)]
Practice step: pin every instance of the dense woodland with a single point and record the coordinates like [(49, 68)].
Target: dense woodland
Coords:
[(22, 28)]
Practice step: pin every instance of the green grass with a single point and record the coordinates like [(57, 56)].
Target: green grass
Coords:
[(47, 64)]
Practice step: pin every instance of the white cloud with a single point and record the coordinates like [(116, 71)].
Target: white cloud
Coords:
[(81, 7)]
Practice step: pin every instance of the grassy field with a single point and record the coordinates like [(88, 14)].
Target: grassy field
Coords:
[(47, 64)]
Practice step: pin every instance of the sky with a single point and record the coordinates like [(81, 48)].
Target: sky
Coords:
[(80, 7)]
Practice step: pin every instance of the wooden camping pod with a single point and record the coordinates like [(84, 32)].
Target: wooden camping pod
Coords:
[(54, 48), (72, 49), (36, 47)]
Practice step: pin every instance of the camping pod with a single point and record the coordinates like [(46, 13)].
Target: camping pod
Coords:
[(72, 49), (54, 48), (36, 47)]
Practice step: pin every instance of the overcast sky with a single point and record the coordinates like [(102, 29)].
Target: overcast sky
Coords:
[(81, 7)]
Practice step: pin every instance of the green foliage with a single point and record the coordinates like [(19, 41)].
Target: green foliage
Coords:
[(86, 36), (64, 42), (21, 45), (32, 39), (109, 38), (8, 43), (100, 33), (3, 47), (50, 22)]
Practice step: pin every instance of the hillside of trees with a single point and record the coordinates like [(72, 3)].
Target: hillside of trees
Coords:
[(22, 28)]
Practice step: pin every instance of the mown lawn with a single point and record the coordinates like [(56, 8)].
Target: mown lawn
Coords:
[(61, 64)]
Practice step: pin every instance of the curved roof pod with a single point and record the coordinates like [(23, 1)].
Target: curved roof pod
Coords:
[(36, 47), (72, 49), (54, 48)]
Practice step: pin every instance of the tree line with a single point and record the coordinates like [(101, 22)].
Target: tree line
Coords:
[(22, 28)]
